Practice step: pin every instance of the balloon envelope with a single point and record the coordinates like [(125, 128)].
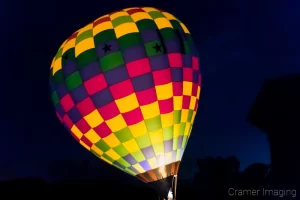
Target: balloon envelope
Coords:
[(127, 87)]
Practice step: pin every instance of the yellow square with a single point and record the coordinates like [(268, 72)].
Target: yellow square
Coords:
[(94, 119), (76, 132), (198, 92), (57, 65), (118, 14), (177, 102), (149, 9), (84, 145), (138, 129), (84, 45), (69, 44), (169, 16), (163, 23), (111, 140), (117, 123), (140, 16), (97, 150), (193, 117), (52, 63), (184, 115), (187, 128), (151, 110), (111, 153), (184, 28), (86, 28), (176, 130), (92, 136), (102, 158), (126, 9), (167, 119), (153, 162), (156, 137), (187, 88), (192, 102), (126, 28), (102, 27), (168, 157), (159, 151), (131, 146), (127, 103), (164, 91), (138, 167)]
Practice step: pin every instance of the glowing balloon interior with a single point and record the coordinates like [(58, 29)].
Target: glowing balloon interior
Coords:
[(127, 86)]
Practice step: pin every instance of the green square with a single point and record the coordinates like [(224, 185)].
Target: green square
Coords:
[(177, 116), (153, 124), (121, 150), (102, 145), (130, 171), (168, 132), (73, 81), (138, 156), (121, 20), (190, 115), (156, 14), (158, 148), (150, 50), (175, 143), (123, 162), (59, 53), (104, 36), (124, 135), (178, 154), (84, 35), (69, 54), (130, 40), (111, 61), (58, 77), (182, 128), (184, 142), (86, 57), (168, 34), (143, 141), (146, 24), (176, 24), (107, 157), (187, 47), (55, 98)]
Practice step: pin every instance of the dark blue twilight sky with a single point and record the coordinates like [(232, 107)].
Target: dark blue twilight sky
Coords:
[(240, 42)]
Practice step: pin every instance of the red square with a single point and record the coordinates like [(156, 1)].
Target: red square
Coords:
[(109, 111), (175, 59), (166, 106), (134, 10), (194, 89), (122, 89), (177, 88), (95, 84), (186, 102), (101, 20), (103, 130), (83, 126), (146, 97), (86, 106), (133, 117), (162, 77), (195, 63), (67, 121), (86, 141), (74, 35), (59, 117), (67, 102), (138, 67), (187, 74)]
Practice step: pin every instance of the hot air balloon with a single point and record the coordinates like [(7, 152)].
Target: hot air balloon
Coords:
[(127, 87)]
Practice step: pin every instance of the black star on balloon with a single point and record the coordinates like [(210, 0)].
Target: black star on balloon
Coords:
[(106, 48), (157, 47)]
